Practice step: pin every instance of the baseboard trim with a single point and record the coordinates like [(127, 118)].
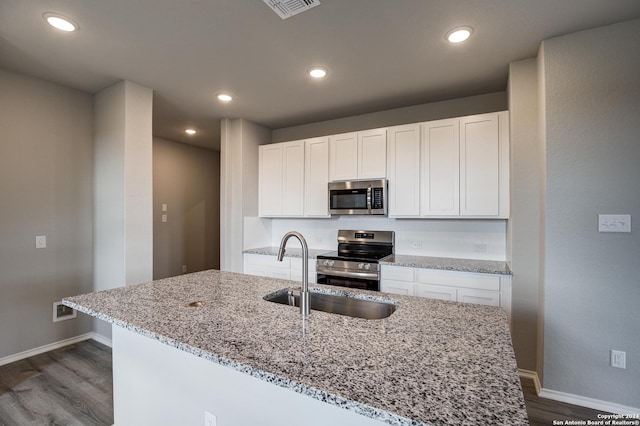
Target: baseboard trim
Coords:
[(101, 339), (55, 345), (583, 401), (531, 375)]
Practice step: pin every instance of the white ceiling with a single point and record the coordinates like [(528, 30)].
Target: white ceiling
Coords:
[(381, 54)]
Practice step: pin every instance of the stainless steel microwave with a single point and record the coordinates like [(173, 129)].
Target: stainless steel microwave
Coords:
[(358, 197)]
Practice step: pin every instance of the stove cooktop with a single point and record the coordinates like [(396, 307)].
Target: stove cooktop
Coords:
[(371, 257)]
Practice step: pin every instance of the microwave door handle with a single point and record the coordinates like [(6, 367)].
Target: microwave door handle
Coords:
[(369, 199)]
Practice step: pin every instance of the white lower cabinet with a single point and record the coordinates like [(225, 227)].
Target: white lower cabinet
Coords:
[(268, 266), (467, 287)]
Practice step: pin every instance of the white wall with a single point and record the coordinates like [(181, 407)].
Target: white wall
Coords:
[(440, 238), (46, 169), (123, 221), (591, 279)]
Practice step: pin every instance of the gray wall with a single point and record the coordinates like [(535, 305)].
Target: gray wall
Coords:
[(187, 179), (592, 280), (45, 189), (238, 186), (490, 102), (524, 227), (123, 189)]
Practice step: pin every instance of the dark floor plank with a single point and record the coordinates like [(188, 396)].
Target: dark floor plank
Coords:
[(67, 386)]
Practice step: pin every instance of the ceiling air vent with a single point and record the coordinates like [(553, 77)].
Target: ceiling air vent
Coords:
[(288, 8)]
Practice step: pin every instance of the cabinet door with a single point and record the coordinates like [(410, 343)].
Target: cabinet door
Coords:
[(480, 297), (343, 156), (316, 177), (479, 165), (403, 167), (293, 178), (372, 154), (270, 186), (397, 287), (440, 192), (436, 292)]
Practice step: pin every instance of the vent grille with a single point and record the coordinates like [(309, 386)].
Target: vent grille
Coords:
[(287, 8)]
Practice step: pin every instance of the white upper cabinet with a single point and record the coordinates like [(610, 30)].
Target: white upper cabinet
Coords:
[(281, 187), (343, 156), (270, 186), (484, 159), (358, 155), (440, 193), (462, 171), (294, 179), (403, 158), (372, 154), (316, 177)]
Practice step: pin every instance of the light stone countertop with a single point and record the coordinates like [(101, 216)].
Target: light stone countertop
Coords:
[(430, 363), (290, 251), (411, 261), (450, 264)]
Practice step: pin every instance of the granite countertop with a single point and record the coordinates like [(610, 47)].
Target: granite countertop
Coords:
[(290, 252), (429, 363), (450, 264)]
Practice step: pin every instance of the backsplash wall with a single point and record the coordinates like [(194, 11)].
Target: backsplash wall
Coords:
[(469, 239)]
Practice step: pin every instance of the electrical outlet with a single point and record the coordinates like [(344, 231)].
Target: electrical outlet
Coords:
[(209, 419), (618, 359), (416, 245), (480, 248), (614, 223), (164, 218)]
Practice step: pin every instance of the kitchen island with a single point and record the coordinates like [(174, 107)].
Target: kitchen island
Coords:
[(430, 362)]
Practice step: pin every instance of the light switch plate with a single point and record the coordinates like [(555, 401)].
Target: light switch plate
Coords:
[(41, 241), (614, 223)]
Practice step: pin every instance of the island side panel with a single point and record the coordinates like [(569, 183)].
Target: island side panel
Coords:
[(161, 385)]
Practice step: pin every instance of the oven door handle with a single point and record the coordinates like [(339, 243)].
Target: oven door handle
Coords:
[(362, 275), (369, 198)]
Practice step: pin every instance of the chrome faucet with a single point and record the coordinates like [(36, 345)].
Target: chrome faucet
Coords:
[(304, 294)]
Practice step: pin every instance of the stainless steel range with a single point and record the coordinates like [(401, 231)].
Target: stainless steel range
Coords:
[(356, 263)]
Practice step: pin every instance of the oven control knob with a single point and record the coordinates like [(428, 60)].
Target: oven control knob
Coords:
[(367, 266), (360, 265)]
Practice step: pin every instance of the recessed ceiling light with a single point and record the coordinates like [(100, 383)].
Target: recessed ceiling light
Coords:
[(190, 131), (459, 34), (60, 22), (224, 97), (317, 72)]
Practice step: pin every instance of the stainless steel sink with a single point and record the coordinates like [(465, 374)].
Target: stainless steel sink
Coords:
[(335, 304)]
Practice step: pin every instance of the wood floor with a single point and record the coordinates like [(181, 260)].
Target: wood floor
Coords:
[(67, 386), (73, 386)]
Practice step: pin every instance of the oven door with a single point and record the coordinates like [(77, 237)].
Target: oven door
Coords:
[(363, 282)]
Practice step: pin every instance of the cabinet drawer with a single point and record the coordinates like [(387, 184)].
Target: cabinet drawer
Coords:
[(480, 297), (435, 292), (265, 271), (264, 260), (458, 279), (397, 287), (397, 273)]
